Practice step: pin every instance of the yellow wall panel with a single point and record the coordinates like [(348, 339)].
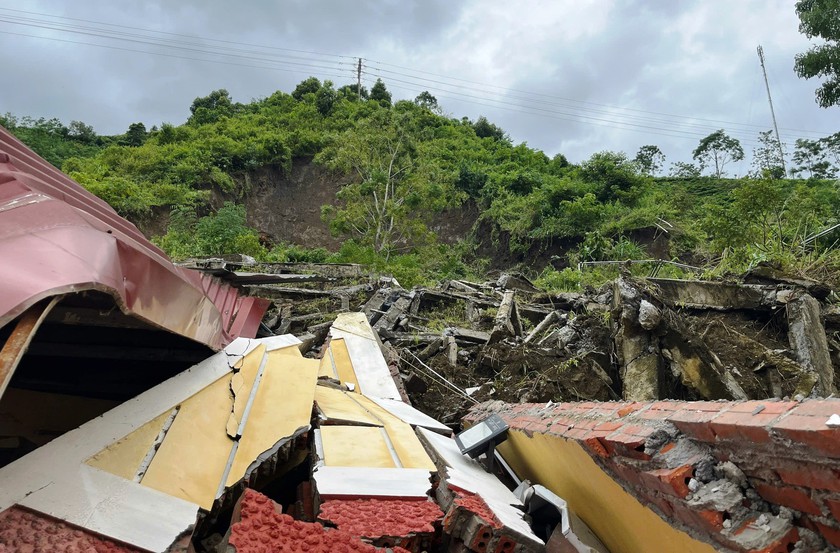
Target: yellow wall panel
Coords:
[(355, 446), (282, 405), (619, 520)]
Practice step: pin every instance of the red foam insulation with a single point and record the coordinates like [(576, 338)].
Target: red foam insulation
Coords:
[(375, 518), (25, 531), (477, 506), (262, 529)]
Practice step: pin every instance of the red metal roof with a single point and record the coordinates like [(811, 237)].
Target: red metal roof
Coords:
[(56, 237)]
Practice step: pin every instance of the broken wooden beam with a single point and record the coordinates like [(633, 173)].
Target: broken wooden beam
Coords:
[(544, 324), (507, 319)]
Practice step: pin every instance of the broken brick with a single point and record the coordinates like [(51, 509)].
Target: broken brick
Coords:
[(787, 496), (669, 481)]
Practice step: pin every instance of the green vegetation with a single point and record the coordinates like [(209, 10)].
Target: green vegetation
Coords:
[(818, 18), (408, 162)]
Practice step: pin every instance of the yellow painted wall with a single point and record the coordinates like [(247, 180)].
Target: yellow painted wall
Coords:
[(619, 520)]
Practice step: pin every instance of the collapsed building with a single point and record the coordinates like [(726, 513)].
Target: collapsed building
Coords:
[(222, 405)]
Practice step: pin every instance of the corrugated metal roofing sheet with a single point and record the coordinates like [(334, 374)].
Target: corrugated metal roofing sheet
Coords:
[(56, 237)]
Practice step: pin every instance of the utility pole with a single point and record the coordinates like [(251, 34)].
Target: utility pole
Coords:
[(772, 111), (359, 80)]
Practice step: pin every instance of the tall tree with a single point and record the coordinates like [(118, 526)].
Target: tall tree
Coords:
[(135, 135), (818, 158), (717, 150), (426, 100), (767, 159), (379, 93), (485, 129), (306, 86), (394, 188), (210, 108), (649, 159), (821, 18)]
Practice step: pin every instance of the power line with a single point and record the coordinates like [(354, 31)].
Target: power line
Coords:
[(534, 103), (173, 34), (562, 99), (565, 116), (268, 67)]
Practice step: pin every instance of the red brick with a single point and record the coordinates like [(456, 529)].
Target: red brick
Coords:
[(669, 481), (834, 507), (787, 496), (734, 425), (695, 424), (595, 445), (629, 474), (810, 431), (628, 445), (763, 407), (706, 521), (631, 408), (505, 545), (712, 519), (821, 408), (609, 426), (831, 534), (663, 504), (481, 540), (811, 476)]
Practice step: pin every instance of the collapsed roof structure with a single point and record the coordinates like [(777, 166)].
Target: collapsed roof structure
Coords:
[(140, 412)]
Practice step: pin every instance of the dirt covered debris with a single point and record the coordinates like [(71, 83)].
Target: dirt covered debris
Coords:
[(765, 336)]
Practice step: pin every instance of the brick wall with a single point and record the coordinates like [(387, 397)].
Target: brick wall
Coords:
[(757, 476)]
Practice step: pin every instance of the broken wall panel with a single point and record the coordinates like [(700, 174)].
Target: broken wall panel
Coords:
[(371, 370), (712, 469), (183, 424), (480, 511)]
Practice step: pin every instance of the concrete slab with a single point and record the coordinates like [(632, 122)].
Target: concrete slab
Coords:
[(338, 482)]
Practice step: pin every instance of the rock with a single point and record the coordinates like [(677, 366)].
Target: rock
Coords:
[(649, 315), (718, 495)]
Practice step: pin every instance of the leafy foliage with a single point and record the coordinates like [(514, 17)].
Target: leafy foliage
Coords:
[(818, 18), (717, 150), (408, 162), (649, 159)]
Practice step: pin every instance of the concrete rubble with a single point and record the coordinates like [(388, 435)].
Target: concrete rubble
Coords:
[(225, 405), (374, 379)]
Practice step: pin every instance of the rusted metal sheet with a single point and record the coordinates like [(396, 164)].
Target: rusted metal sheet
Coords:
[(14, 348), (56, 238)]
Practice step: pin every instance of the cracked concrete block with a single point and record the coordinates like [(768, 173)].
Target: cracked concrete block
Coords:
[(717, 495), (808, 341)]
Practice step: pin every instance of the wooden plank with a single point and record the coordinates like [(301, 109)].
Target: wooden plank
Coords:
[(17, 344)]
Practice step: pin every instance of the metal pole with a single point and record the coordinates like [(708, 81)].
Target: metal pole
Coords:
[(772, 111)]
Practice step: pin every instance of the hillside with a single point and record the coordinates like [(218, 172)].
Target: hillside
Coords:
[(325, 173)]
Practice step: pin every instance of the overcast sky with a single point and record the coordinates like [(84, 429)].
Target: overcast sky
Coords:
[(567, 76)]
